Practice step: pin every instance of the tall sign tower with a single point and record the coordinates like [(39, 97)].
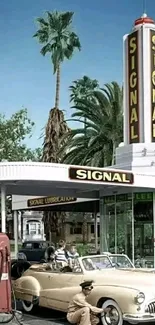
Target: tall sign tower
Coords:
[(139, 82)]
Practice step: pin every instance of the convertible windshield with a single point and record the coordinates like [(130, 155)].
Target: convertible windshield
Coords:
[(102, 262), (121, 261)]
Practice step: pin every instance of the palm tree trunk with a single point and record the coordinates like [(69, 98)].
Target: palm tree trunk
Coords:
[(84, 228), (57, 95), (113, 154)]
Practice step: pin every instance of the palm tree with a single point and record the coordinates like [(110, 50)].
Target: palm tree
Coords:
[(55, 32), (82, 87), (54, 139), (59, 41), (104, 123), (114, 113)]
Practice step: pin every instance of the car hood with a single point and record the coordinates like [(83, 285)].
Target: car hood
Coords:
[(133, 278)]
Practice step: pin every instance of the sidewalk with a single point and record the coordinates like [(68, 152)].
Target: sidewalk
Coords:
[(15, 322), (39, 321), (18, 318)]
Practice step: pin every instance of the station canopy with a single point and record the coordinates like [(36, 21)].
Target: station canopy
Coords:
[(58, 180)]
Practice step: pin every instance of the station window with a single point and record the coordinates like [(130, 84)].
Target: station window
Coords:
[(75, 230), (93, 231)]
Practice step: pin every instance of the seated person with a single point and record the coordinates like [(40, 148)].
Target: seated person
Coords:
[(60, 255), (72, 254)]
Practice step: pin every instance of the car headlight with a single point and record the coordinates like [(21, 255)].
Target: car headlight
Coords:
[(21, 256), (139, 299)]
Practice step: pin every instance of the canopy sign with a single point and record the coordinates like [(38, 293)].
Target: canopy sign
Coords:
[(49, 200), (99, 175)]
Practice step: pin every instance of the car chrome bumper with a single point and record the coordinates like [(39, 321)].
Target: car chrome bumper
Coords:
[(139, 318)]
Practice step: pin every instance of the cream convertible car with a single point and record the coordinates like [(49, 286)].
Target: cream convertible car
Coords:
[(129, 292)]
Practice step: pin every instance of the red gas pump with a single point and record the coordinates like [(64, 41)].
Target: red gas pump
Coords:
[(5, 282), (7, 314)]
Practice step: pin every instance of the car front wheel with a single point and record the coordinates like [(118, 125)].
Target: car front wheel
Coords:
[(114, 316), (27, 306)]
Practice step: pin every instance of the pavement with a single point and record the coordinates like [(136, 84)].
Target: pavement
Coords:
[(42, 317)]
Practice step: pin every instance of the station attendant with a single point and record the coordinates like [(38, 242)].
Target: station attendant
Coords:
[(80, 311)]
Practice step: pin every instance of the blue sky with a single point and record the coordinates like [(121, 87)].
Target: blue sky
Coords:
[(26, 78)]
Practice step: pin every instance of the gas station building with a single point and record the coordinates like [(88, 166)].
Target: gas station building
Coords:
[(125, 202), (125, 192)]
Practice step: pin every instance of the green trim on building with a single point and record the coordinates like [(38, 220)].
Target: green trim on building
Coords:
[(138, 197)]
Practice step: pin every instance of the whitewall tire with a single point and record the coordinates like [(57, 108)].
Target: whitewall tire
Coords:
[(115, 316), (27, 306)]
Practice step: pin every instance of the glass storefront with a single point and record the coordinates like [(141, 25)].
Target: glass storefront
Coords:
[(128, 226)]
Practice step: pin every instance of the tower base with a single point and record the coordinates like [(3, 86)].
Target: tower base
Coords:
[(139, 157)]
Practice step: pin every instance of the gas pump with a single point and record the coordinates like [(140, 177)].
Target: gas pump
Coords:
[(7, 314), (5, 281)]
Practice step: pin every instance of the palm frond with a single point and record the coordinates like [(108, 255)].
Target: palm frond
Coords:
[(55, 32), (46, 49), (42, 22), (103, 117), (66, 19), (42, 36)]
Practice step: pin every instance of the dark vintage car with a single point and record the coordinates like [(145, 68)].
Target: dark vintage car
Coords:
[(33, 251)]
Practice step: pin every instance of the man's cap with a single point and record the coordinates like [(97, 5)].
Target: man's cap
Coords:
[(86, 284)]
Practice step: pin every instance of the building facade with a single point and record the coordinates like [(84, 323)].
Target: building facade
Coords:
[(74, 232), (129, 226), (32, 226)]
